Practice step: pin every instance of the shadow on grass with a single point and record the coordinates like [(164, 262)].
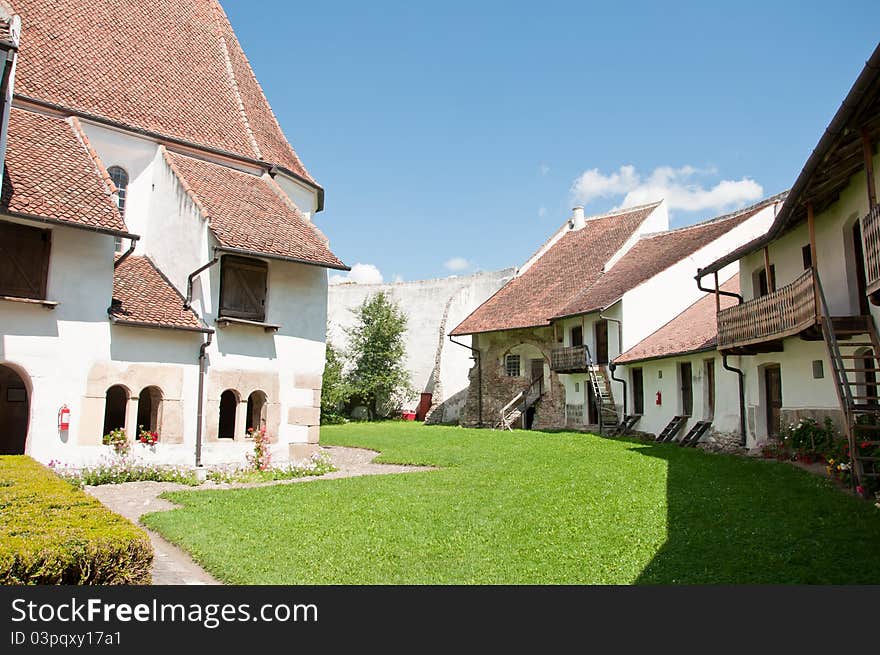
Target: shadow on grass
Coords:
[(738, 522)]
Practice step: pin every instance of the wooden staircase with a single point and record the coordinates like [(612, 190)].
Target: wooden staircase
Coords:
[(692, 438), (844, 337), (628, 423), (515, 410), (606, 409), (672, 428)]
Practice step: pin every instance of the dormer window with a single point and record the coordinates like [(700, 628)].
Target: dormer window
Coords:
[(243, 288)]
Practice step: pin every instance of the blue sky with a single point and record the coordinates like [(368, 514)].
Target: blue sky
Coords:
[(456, 136)]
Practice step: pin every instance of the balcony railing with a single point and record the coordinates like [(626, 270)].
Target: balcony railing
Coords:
[(573, 358), (783, 313), (871, 248)]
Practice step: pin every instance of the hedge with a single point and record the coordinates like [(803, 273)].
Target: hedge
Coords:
[(53, 533)]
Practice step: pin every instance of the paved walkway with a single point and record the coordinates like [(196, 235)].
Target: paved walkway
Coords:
[(171, 565)]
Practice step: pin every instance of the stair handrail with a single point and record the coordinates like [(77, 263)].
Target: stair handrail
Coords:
[(597, 396), (828, 328), (521, 396)]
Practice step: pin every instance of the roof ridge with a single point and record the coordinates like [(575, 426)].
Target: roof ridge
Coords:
[(761, 204), (111, 187), (623, 210), (224, 49)]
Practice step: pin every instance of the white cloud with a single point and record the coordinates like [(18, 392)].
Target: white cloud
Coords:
[(542, 212), (457, 264), (682, 188), (359, 274), (543, 169)]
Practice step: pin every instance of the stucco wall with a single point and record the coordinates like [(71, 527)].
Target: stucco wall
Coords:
[(425, 302)]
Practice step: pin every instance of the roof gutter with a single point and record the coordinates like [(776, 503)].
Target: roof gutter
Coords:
[(150, 326), (835, 129), (699, 277), (283, 258), (76, 226)]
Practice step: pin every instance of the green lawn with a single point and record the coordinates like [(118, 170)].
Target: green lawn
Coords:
[(532, 507)]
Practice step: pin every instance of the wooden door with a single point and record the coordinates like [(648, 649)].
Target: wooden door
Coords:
[(773, 399), (577, 336), (710, 388), (861, 283), (687, 389), (638, 383), (602, 341)]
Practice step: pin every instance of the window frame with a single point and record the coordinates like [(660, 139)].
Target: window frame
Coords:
[(507, 365), (121, 189), (229, 263)]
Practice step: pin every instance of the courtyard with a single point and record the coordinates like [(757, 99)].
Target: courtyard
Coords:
[(529, 507)]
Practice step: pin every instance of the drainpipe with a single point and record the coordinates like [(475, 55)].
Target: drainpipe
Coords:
[(201, 401), (476, 357), (742, 397), (699, 276), (127, 253), (612, 367), (192, 276)]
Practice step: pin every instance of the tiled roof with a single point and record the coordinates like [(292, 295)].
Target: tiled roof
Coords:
[(165, 66), (49, 173), (694, 330), (570, 264), (249, 212), (142, 295), (651, 255)]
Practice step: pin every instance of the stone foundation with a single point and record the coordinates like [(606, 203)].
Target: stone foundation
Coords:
[(722, 442)]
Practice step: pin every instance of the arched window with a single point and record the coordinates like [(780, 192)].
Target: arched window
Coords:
[(228, 405), (256, 410), (149, 408), (120, 179), (115, 406)]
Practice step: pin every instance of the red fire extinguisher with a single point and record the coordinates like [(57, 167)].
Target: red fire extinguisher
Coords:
[(64, 418), (659, 400)]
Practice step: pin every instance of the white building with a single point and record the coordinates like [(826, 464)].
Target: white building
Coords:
[(805, 336), (595, 289), (159, 262)]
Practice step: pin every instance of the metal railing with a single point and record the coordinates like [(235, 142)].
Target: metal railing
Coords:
[(784, 312)]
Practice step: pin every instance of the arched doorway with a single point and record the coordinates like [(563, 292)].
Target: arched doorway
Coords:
[(256, 410), (115, 408), (150, 408), (14, 412)]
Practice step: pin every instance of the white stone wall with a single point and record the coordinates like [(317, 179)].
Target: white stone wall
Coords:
[(424, 302), (72, 354)]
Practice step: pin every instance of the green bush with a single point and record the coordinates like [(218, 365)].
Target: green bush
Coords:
[(53, 533)]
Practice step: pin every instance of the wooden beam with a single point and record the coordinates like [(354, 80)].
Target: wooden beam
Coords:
[(811, 226), (771, 283), (717, 295), (868, 152)]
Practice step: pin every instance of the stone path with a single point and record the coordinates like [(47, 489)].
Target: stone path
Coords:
[(171, 565)]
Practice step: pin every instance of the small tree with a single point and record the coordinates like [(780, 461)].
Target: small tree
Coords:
[(334, 390), (378, 378)]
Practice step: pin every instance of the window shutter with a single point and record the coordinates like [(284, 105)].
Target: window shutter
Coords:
[(243, 288), (24, 261)]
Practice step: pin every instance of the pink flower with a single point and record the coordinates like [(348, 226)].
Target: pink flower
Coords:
[(860, 490)]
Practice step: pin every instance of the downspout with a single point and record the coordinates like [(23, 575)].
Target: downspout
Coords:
[(699, 276), (742, 397), (612, 366), (192, 276), (201, 401), (127, 253), (476, 357)]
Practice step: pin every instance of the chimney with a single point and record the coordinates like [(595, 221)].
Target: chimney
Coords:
[(577, 218)]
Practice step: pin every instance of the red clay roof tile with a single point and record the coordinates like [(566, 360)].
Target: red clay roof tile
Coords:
[(165, 66), (246, 212), (694, 330), (570, 264), (142, 295), (49, 173)]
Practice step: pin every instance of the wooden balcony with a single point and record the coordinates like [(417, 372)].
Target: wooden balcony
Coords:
[(569, 360), (759, 325), (871, 249)]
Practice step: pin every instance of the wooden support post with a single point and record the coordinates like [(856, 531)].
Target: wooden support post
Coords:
[(771, 283), (717, 296), (811, 226), (868, 152)]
